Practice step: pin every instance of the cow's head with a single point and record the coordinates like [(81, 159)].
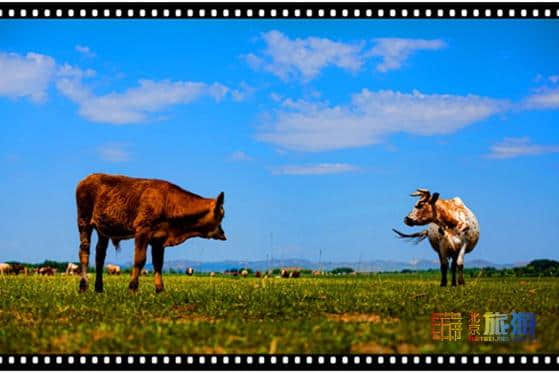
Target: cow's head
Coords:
[(217, 213), (424, 210)]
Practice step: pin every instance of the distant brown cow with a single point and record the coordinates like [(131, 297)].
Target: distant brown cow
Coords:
[(46, 271), (151, 211)]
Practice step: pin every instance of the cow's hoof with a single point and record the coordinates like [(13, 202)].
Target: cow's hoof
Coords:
[(158, 289), (133, 286), (98, 288), (83, 285), (443, 284)]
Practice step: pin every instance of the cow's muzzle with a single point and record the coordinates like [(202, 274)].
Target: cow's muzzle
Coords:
[(409, 221)]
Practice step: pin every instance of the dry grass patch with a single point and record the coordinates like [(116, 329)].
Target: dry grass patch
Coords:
[(372, 318)]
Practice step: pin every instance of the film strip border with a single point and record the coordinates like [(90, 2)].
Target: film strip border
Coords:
[(271, 362), (279, 10)]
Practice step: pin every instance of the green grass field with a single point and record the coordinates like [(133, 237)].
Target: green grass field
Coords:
[(373, 314)]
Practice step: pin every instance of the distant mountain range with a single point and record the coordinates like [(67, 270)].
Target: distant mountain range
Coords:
[(364, 266)]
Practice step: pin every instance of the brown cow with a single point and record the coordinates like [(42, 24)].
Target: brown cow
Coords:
[(153, 212)]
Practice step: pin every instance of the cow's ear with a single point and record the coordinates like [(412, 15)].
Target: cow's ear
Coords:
[(219, 200), (434, 197)]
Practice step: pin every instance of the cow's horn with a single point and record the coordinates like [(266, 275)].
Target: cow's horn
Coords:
[(420, 192)]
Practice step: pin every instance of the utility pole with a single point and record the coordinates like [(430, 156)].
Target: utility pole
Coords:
[(271, 250), (359, 264)]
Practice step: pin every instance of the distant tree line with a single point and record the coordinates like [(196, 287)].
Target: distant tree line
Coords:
[(536, 268)]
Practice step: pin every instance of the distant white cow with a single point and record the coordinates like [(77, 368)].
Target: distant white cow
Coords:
[(244, 273), (113, 269), (5, 268), (189, 271), (72, 269)]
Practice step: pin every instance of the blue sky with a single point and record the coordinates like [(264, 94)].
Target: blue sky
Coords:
[(317, 131)]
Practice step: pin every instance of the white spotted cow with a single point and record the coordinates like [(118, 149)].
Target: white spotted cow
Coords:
[(453, 230)]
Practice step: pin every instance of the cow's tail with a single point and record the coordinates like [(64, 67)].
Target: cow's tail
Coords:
[(414, 237), (116, 243)]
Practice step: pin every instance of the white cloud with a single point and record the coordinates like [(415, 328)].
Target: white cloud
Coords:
[(240, 156), (114, 152), (316, 169), (135, 104), (304, 58), (243, 92), (394, 51), (25, 76), (544, 100), (554, 79), (86, 51), (512, 147), (370, 117), (69, 71)]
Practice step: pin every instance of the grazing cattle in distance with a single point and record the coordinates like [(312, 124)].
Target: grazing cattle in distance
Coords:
[(46, 271), (113, 269), (212, 274), (316, 273), (244, 273), (257, 274), (72, 269), (18, 268), (14, 269), (153, 212), (453, 230), (144, 272), (290, 273), (189, 271), (5, 268)]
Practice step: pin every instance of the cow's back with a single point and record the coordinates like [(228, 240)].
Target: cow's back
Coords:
[(462, 213), (110, 203)]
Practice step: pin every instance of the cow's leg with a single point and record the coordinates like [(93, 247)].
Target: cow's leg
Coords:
[(157, 252), (85, 239), (460, 262), (140, 243), (444, 269), (453, 269), (100, 253)]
